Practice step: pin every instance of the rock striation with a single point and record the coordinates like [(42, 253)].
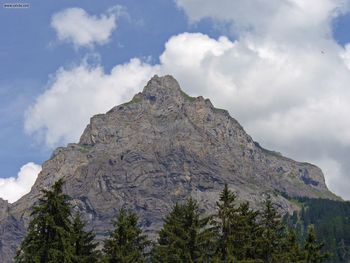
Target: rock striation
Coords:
[(158, 149)]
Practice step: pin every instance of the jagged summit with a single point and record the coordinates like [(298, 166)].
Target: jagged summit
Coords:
[(158, 149), (161, 97), (167, 84), (162, 91), (166, 89)]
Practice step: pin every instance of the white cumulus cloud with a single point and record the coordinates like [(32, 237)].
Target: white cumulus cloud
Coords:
[(285, 77), (76, 94), (76, 26), (13, 188), (283, 20)]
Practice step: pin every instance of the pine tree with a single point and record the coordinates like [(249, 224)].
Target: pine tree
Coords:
[(269, 244), (185, 237), (126, 243), (313, 248), (291, 252), (247, 233), (48, 239), (225, 222), (237, 229), (83, 243)]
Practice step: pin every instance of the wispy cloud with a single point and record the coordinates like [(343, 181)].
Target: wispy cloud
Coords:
[(76, 26)]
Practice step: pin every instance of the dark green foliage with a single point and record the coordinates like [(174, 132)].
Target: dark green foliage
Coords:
[(185, 237), (83, 243), (313, 248), (291, 250), (234, 234), (49, 238), (52, 234), (236, 228), (247, 233), (247, 236), (331, 220), (225, 221), (271, 240), (126, 243)]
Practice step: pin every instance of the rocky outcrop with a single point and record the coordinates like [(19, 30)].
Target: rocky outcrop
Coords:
[(158, 149)]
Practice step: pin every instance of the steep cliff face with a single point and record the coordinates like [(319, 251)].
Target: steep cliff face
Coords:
[(160, 148)]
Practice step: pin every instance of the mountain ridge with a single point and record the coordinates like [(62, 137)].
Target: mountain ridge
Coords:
[(161, 147)]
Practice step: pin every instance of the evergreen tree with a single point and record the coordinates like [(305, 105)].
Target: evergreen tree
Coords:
[(48, 239), (313, 248), (126, 243), (236, 228), (291, 250), (246, 234), (83, 243), (225, 221), (185, 237), (271, 239), (332, 224)]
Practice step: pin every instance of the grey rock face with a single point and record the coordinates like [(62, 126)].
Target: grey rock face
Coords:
[(158, 149)]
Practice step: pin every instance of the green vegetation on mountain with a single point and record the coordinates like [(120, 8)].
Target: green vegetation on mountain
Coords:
[(233, 233), (187, 97), (331, 221)]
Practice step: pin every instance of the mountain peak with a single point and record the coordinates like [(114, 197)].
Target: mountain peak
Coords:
[(164, 82), (163, 90), (160, 148)]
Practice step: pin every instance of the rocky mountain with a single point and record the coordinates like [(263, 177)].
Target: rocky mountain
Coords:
[(160, 148)]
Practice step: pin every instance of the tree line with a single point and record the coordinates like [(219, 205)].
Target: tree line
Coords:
[(331, 219), (235, 233)]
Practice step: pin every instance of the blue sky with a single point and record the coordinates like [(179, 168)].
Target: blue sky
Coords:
[(30, 53), (34, 61)]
